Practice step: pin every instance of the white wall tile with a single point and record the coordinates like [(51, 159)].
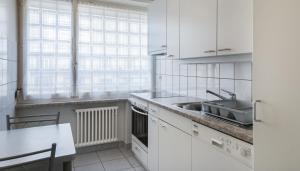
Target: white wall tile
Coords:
[(213, 70), (192, 86), (192, 70), (243, 70), (243, 91), (228, 85), (176, 68), (213, 84), (201, 70), (183, 86), (201, 87), (227, 70), (184, 70), (169, 67), (176, 86)]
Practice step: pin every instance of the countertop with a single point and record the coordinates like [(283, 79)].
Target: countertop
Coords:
[(242, 133)]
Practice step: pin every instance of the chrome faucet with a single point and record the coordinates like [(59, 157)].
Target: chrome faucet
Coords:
[(233, 95)]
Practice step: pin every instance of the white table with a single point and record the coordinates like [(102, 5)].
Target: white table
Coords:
[(20, 141)]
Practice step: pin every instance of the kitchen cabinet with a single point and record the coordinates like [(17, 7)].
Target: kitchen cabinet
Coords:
[(173, 29), (198, 21), (152, 143), (214, 151), (215, 27), (235, 27), (174, 148), (276, 85), (157, 20)]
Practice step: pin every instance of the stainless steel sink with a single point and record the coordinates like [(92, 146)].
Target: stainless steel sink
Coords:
[(190, 106)]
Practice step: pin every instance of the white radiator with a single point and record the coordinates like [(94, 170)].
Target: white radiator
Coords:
[(96, 126)]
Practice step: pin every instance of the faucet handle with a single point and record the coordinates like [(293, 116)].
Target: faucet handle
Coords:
[(229, 92)]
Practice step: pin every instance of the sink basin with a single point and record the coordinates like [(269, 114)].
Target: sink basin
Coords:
[(190, 106)]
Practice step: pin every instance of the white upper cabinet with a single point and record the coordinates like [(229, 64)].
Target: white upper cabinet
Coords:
[(157, 20), (235, 27), (173, 28), (198, 21)]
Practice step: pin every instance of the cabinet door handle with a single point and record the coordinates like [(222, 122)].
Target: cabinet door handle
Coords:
[(163, 46), (210, 51), (170, 56), (195, 132), (226, 49), (254, 111), (163, 125), (217, 143)]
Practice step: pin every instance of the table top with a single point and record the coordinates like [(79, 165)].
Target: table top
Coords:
[(26, 140)]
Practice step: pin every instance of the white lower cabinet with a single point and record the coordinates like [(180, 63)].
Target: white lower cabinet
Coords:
[(174, 148), (214, 151), (140, 153), (152, 143)]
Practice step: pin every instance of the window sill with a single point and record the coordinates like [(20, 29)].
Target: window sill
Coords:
[(74, 101)]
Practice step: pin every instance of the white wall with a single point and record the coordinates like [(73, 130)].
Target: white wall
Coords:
[(8, 59)]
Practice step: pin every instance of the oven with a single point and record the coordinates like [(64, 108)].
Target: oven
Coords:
[(140, 124)]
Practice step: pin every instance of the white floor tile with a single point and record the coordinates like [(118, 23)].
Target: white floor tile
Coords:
[(139, 169), (133, 161), (86, 159), (92, 167), (126, 152), (108, 155), (116, 165)]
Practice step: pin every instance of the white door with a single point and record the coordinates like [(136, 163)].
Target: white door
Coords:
[(173, 28), (235, 31), (174, 149), (152, 143), (198, 22), (207, 157), (157, 18), (276, 82)]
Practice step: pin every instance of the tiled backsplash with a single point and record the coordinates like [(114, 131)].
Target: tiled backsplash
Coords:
[(179, 77), (8, 60)]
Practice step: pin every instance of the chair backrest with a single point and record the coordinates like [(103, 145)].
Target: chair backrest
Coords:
[(51, 157), (24, 120)]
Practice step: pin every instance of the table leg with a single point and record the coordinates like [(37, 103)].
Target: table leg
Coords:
[(67, 166)]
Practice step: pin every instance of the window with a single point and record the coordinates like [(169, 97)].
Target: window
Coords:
[(48, 56), (112, 51)]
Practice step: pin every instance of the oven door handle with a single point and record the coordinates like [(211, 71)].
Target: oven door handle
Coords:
[(142, 113)]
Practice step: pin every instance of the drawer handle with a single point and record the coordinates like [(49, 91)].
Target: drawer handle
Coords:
[(170, 56), (226, 49), (217, 143), (210, 51)]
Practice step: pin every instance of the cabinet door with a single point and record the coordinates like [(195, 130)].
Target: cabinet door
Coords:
[(173, 28), (157, 18), (152, 143), (198, 28), (174, 148), (235, 26)]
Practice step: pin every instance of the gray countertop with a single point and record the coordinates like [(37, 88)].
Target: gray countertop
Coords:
[(242, 133)]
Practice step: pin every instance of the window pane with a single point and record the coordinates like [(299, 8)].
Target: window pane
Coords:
[(48, 65), (114, 58)]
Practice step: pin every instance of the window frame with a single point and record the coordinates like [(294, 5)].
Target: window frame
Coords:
[(74, 46)]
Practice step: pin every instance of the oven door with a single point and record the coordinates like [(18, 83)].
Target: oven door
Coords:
[(140, 124)]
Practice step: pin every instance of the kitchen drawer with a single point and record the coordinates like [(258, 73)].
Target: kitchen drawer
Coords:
[(140, 154), (172, 118)]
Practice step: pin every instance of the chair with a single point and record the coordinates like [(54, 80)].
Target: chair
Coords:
[(51, 158), (31, 119)]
